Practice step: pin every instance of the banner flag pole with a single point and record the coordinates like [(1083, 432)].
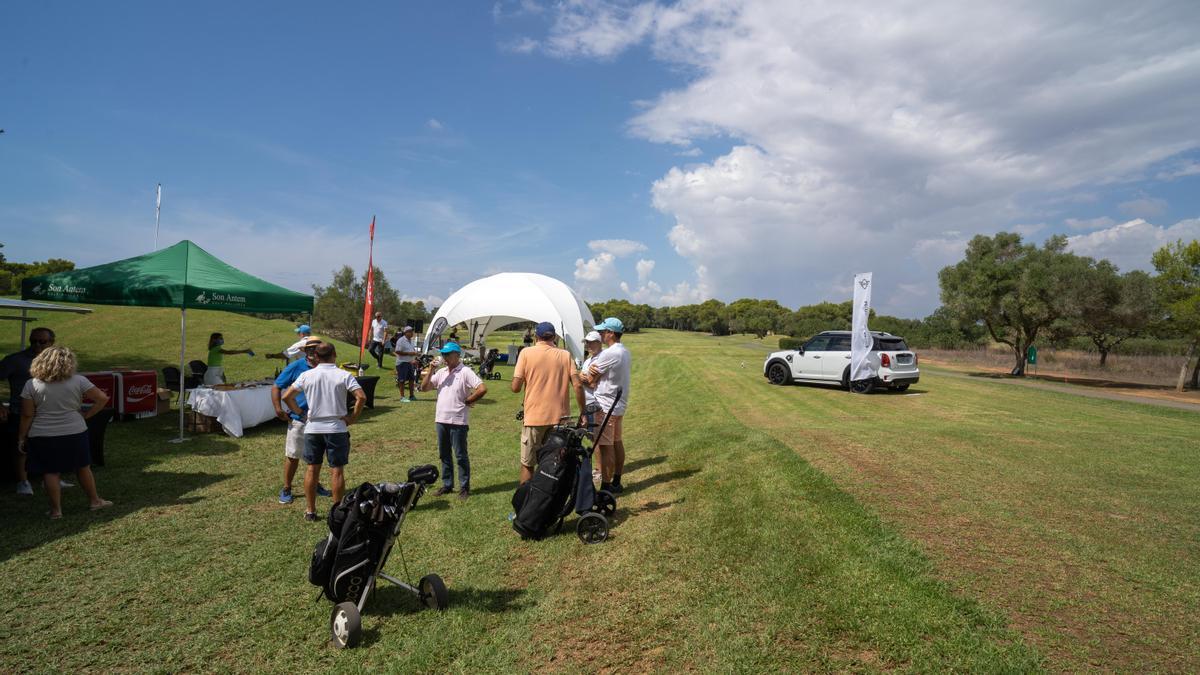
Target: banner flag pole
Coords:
[(157, 211), (369, 306)]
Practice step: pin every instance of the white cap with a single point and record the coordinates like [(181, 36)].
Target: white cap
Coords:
[(592, 337)]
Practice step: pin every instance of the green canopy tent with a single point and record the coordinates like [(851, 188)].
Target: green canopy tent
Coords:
[(183, 276)]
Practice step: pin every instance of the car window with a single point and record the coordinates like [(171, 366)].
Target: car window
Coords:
[(890, 344), (819, 343), (839, 343)]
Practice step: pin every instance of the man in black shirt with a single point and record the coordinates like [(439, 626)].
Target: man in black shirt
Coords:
[(15, 369)]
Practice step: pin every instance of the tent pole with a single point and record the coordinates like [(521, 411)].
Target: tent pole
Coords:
[(24, 322), (182, 379)]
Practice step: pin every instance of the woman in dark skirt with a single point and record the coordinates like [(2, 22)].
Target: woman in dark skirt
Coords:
[(53, 431)]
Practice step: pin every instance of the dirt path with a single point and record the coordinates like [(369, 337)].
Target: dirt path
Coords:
[(1189, 400)]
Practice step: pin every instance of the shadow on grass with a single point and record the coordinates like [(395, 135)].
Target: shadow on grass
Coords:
[(498, 487), (1080, 381), (658, 479), (630, 467), (127, 479)]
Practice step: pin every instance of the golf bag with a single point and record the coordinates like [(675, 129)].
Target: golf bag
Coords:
[(539, 502), (342, 562), (486, 368)]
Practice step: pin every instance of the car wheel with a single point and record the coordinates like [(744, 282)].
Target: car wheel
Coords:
[(902, 387), (779, 374)]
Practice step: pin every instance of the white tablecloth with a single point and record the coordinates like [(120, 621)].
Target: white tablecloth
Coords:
[(235, 409)]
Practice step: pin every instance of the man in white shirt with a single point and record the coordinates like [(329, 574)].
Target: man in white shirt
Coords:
[(378, 335), (325, 389), (296, 351), (608, 374), (458, 389), (406, 364)]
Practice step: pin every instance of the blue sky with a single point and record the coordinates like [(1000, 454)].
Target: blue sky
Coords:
[(665, 152)]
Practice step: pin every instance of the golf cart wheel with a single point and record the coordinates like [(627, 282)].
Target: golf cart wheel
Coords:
[(862, 386), (592, 528), (605, 504), (433, 592), (778, 374), (345, 625)]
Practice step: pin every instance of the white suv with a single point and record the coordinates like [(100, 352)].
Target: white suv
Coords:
[(826, 358)]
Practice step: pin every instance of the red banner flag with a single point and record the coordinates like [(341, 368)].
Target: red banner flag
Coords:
[(369, 307)]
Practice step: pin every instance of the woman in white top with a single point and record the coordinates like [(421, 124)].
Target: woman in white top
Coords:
[(53, 431)]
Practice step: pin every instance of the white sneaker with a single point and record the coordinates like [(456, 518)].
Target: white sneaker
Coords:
[(62, 482), (24, 488)]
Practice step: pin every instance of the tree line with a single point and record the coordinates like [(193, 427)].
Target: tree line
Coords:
[(1003, 290), (13, 273)]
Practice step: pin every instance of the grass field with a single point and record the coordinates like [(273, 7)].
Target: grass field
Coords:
[(974, 526)]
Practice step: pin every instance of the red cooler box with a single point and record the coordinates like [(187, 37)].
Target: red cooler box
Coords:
[(106, 382), (139, 393)]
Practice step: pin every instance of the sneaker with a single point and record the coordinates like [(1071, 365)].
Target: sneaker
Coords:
[(310, 516), (617, 488), (443, 491), (322, 492), (464, 493), (405, 400), (63, 483), (606, 487), (285, 496), (412, 398), (24, 488)]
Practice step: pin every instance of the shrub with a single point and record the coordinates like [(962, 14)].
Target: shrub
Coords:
[(790, 343)]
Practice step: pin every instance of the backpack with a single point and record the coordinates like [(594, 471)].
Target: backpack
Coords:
[(342, 562), (539, 503)]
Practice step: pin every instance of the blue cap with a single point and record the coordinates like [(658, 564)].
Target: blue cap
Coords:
[(303, 328), (612, 323), (544, 328), (451, 348)]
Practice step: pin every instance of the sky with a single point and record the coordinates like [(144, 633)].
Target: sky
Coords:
[(664, 152)]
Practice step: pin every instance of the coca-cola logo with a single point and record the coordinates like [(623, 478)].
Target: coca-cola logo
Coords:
[(140, 391)]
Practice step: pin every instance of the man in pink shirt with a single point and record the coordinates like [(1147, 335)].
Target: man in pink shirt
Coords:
[(458, 389)]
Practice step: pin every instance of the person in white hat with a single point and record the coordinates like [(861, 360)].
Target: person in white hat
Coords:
[(591, 346), (609, 375)]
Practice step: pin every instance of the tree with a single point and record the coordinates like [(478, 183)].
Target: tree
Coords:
[(338, 307), (1178, 283), (1016, 290), (1112, 307)]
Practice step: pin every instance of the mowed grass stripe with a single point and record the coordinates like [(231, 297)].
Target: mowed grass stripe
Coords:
[(1091, 504)]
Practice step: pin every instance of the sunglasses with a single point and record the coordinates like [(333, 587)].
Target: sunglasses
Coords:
[(41, 342)]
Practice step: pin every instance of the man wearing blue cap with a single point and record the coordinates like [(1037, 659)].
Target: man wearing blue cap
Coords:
[(458, 389), (296, 351), (547, 375), (608, 374)]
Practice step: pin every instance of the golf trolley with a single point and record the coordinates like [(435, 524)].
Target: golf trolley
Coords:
[(563, 483), (362, 531), (487, 367)]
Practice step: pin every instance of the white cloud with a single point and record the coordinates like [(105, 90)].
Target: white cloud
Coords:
[(1180, 170), (595, 271), (862, 129), (617, 247), (690, 152), (1129, 245), (435, 125), (1090, 223), (644, 269), (524, 45), (1143, 207)]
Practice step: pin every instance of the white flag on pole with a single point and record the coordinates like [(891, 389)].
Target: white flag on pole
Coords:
[(861, 340), (157, 209)]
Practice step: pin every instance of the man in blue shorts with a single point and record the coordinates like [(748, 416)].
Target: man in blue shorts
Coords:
[(406, 365), (293, 446), (326, 434)]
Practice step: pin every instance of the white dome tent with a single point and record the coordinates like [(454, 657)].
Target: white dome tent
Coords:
[(487, 304)]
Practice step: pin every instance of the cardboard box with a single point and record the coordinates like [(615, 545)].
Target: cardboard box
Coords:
[(200, 423)]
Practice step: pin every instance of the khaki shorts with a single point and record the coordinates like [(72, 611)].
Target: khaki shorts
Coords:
[(293, 448), (531, 440), (612, 431)]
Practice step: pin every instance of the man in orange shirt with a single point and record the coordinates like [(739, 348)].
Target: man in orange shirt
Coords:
[(547, 374)]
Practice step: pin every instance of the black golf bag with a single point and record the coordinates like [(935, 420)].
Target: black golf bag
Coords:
[(561, 483)]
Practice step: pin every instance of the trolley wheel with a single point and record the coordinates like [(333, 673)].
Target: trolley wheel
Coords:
[(345, 625), (592, 528), (433, 592), (862, 386), (605, 503)]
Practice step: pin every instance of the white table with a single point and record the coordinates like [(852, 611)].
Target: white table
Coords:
[(235, 409)]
